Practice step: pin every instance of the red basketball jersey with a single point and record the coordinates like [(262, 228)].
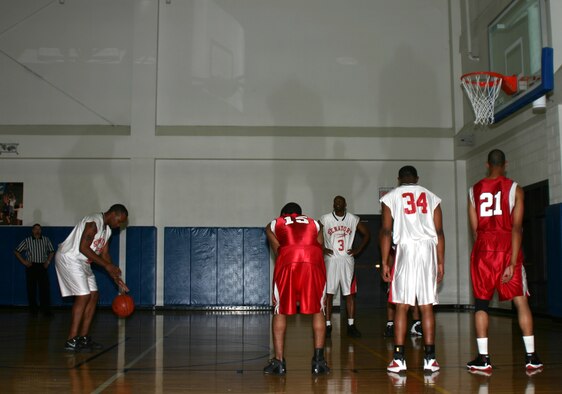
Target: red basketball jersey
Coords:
[(494, 200), (298, 239)]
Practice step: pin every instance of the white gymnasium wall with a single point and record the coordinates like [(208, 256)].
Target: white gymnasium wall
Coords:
[(60, 192)]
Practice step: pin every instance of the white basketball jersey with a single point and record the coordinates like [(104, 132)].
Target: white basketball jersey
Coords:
[(339, 232), (412, 208), (71, 245)]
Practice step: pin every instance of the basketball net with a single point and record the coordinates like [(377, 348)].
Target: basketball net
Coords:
[(482, 90)]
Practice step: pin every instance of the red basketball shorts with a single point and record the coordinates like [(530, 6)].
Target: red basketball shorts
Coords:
[(299, 283), (487, 267)]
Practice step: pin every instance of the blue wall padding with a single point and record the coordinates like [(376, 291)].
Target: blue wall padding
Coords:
[(204, 266), (554, 259), (141, 264), (177, 266), (230, 263), (12, 272), (257, 284), (216, 267)]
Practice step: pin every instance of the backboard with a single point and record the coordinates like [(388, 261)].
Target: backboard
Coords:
[(517, 40)]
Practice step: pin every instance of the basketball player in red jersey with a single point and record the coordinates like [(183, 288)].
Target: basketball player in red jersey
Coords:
[(299, 278), (495, 210)]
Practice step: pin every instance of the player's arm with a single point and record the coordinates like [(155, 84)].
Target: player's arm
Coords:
[(364, 231), (516, 233), (327, 251), (103, 259), (385, 240), (272, 239), (438, 222), (320, 237), (113, 270)]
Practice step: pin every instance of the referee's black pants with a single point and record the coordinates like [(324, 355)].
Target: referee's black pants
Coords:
[(37, 276)]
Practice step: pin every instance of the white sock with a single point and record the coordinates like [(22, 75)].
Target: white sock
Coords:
[(482, 345), (529, 342), (328, 323), (350, 322)]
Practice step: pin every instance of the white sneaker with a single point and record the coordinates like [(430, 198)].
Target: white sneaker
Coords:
[(430, 365), (396, 365)]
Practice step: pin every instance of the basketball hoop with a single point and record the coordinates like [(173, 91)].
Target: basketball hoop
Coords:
[(483, 88)]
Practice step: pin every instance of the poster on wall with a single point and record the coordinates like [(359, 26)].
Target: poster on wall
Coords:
[(11, 203)]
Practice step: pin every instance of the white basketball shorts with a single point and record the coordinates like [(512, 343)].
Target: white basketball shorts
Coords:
[(414, 274), (75, 277), (340, 271)]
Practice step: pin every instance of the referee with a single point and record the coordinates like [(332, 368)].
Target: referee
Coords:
[(39, 252)]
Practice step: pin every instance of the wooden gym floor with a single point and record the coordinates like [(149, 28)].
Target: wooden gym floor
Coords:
[(224, 352)]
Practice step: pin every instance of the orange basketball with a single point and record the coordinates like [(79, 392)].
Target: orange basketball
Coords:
[(123, 305)]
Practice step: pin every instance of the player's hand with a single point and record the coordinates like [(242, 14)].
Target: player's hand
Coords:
[(508, 274), (351, 252), (385, 273), (122, 286), (440, 272), (328, 252)]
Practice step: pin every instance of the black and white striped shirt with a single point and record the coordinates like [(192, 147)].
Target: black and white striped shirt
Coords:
[(38, 249)]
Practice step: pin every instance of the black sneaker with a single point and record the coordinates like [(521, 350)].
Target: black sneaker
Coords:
[(352, 331), (73, 345), (328, 331), (532, 362), (389, 331), (320, 366), (480, 363), (87, 343), (275, 367)]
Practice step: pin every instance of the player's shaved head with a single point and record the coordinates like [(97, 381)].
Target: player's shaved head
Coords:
[(496, 158)]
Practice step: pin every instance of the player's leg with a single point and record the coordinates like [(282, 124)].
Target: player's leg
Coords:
[(481, 321), (77, 314), (328, 318), (417, 328), (398, 363), (430, 364), (390, 309), (349, 290), (485, 275), (525, 318), (277, 366)]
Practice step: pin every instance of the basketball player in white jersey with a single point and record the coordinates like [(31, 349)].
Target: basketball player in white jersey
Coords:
[(412, 219), (339, 229), (87, 244)]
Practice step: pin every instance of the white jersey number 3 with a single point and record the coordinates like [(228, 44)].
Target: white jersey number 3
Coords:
[(490, 204)]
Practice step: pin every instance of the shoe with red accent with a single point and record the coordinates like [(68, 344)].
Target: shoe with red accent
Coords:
[(430, 365), (532, 362), (396, 365), (480, 363)]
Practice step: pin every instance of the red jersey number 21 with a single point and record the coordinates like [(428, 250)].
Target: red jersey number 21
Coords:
[(412, 204)]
